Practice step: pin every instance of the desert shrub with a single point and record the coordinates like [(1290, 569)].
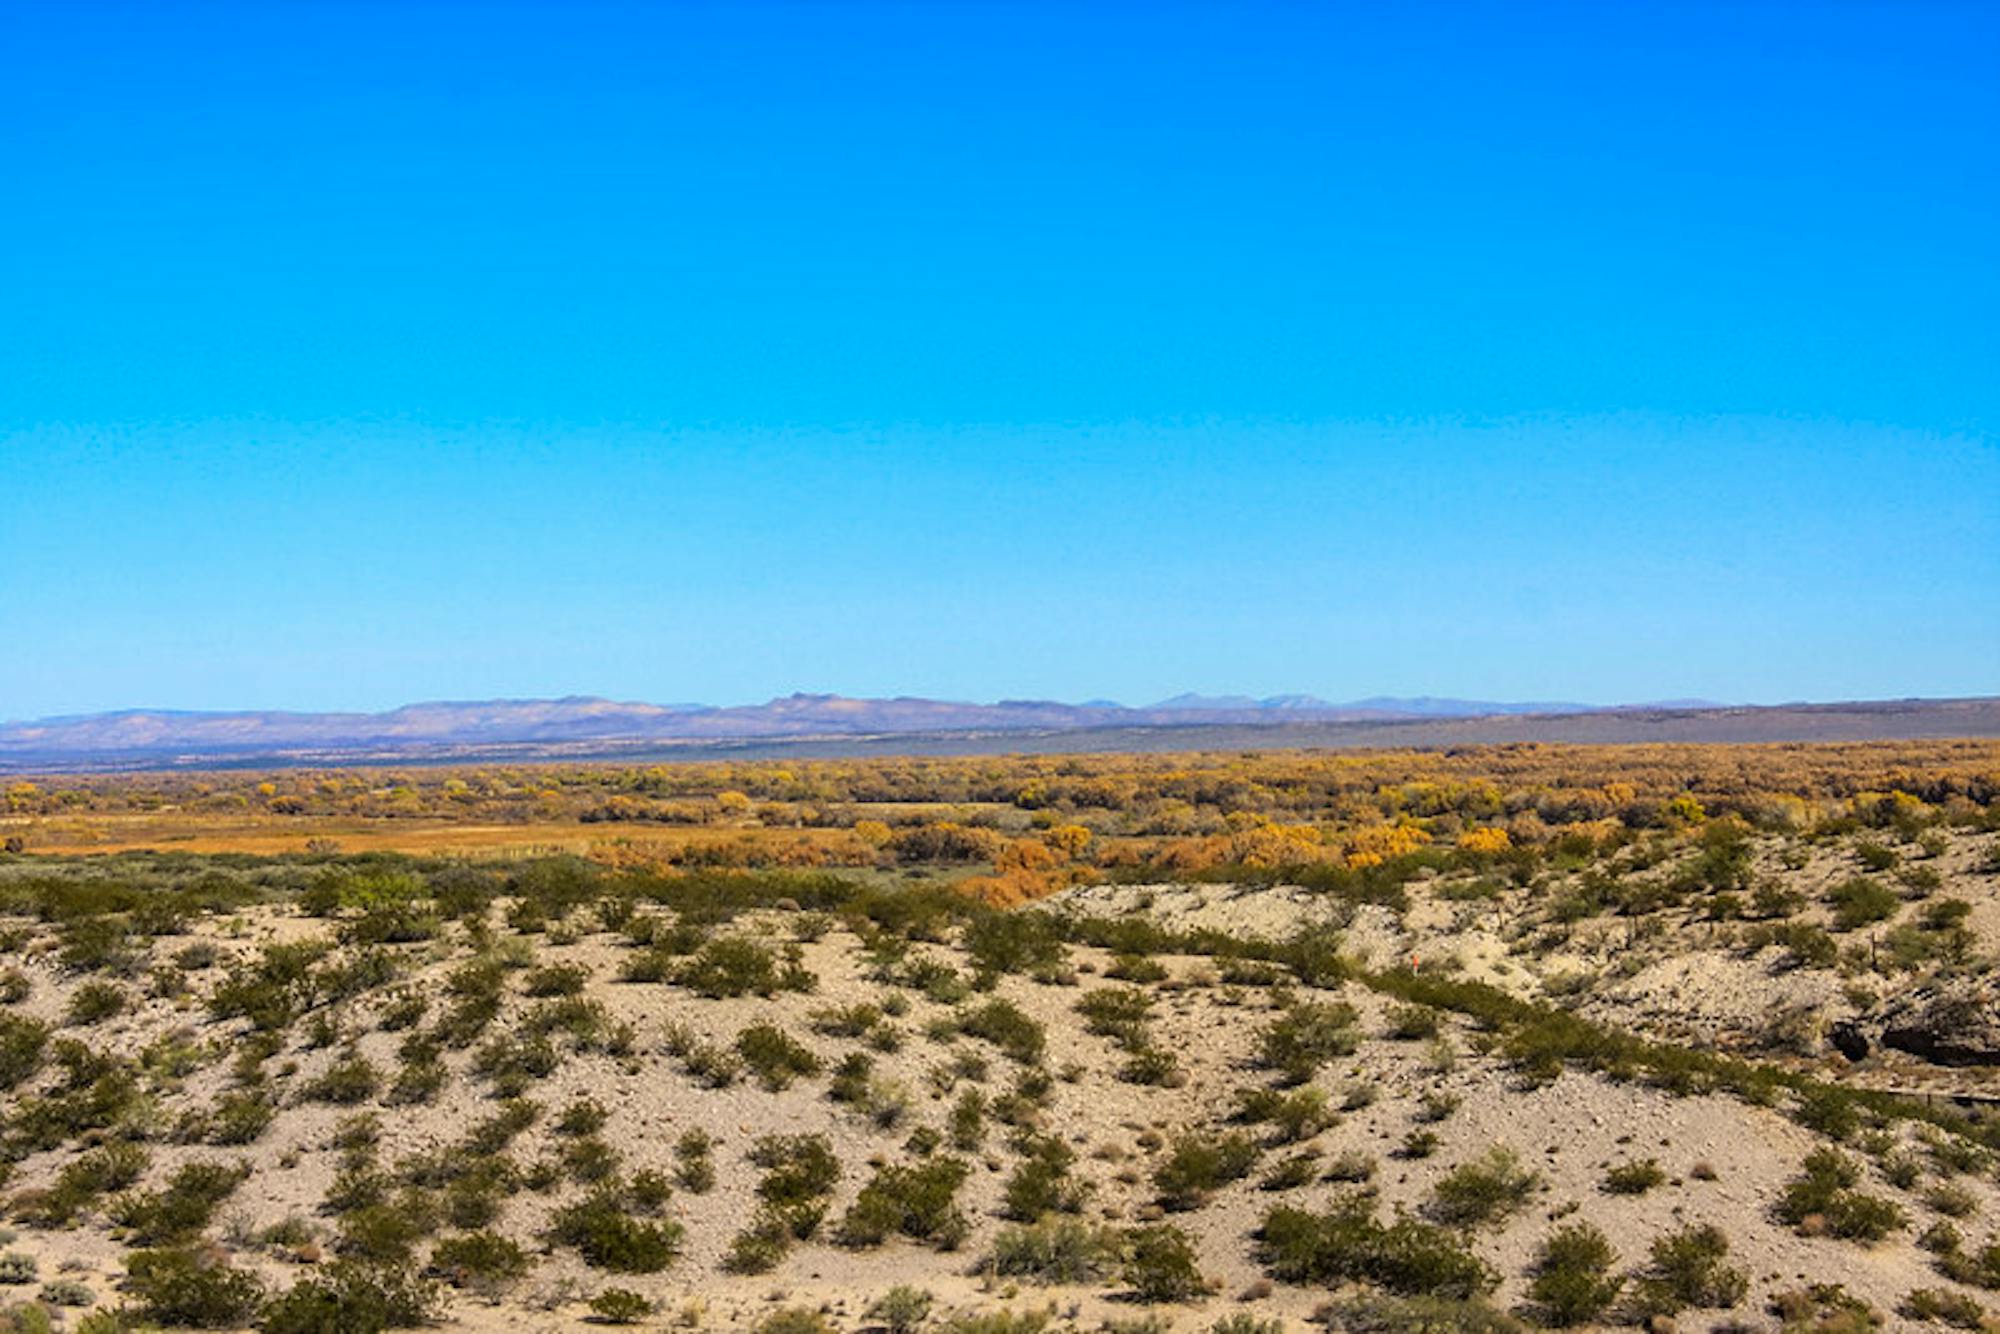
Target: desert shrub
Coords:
[(758, 1248), (1007, 1027), (966, 1122), (1436, 1105), (1054, 1251), (15, 986), (1375, 1314), (607, 1237), (1820, 1199), (386, 1231), (1242, 1322), (66, 1292), (1199, 1163), (94, 1002), (848, 1021), (1634, 1178), (797, 1168), (351, 1298), (1859, 901), (1041, 1182), (1689, 1268), (1013, 942), (916, 1200), (902, 1309), (556, 979), (22, 1044), (1300, 1169), (1136, 968), (1351, 1166), (1413, 1023), (1348, 1244), (1152, 1067), (621, 1306), (1940, 1306), (1293, 1115), (189, 1289), (738, 966), (1161, 1265), (183, 1206), (349, 1080), (694, 1165), (1307, 1036), (484, 1260), (17, 1269), (1573, 1283), (83, 1179), (774, 1056), (1113, 1011), (793, 1320), (1484, 1190)]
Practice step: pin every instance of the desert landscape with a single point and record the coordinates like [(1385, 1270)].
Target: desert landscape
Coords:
[(1519, 1037), (999, 666)]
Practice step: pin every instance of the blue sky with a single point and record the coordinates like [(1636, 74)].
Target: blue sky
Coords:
[(354, 354)]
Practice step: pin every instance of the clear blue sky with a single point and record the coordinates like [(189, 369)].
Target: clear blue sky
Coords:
[(356, 353)]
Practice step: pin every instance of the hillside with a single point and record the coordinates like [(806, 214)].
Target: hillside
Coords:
[(590, 728), (1720, 1060)]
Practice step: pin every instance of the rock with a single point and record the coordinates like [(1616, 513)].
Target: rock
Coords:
[(1948, 1023)]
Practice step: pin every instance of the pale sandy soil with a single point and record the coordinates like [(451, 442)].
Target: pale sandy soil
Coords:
[(1570, 1131)]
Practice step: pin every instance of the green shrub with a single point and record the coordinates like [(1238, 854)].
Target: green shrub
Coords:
[(83, 1179), (1007, 1027), (1573, 1283), (1161, 1265), (1820, 1199), (351, 1298), (17, 1269), (1420, 1315), (1014, 942), (1939, 1306), (621, 1306), (694, 1167), (1054, 1251), (188, 1289), (1413, 1023), (94, 1002), (484, 1260), (797, 1168), (1202, 1162), (916, 1200), (1307, 1036), (66, 1292), (1347, 1244), (738, 966), (1858, 902), (22, 1043), (183, 1207), (1041, 1183), (774, 1056), (1293, 1115), (1688, 1268), (558, 979), (902, 1309), (349, 1080), (1483, 1191), (1113, 1011), (608, 1238), (1634, 1178), (1136, 968), (793, 1320)]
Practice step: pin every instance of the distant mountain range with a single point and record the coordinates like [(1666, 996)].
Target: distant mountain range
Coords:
[(586, 726)]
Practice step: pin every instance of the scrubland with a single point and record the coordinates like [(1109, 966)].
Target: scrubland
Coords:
[(1513, 1038)]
